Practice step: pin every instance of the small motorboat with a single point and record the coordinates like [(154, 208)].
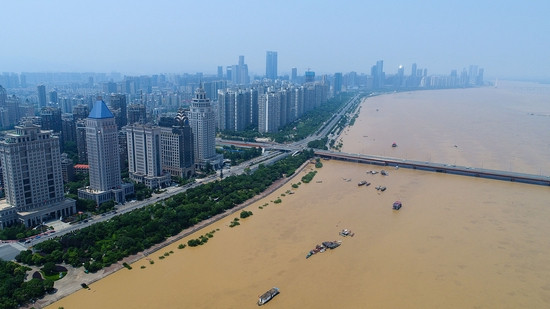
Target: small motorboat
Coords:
[(397, 205), (394, 144), (267, 296)]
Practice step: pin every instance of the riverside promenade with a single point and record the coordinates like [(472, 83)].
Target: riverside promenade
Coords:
[(436, 167)]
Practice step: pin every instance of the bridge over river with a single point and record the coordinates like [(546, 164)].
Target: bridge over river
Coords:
[(436, 167)]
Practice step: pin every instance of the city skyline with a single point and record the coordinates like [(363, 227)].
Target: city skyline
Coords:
[(509, 40)]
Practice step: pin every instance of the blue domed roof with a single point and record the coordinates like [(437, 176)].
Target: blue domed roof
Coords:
[(100, 111)]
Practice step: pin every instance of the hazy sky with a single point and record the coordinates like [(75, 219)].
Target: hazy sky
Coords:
[(509, 39)]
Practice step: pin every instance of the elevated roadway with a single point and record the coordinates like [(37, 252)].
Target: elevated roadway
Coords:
[(436, 167)]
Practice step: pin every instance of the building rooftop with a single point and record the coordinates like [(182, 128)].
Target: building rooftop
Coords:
[(100, 111)]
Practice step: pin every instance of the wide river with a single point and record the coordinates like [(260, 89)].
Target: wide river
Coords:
[(458, 242)]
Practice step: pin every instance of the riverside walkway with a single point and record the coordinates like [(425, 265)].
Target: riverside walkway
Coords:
[(436, 167)]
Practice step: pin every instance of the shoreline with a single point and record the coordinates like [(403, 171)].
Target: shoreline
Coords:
[(76, 276)]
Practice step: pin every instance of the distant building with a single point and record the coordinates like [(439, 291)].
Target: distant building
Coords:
[(32, 173), (117, 104), (239, 73), (53, 97), (80, 111), (294, 75), (67, 168), (137, 113), (51, 119), (68, 128), (337, 88), (378, 75), (310, 76), (271, 65), (41, 89), (80, 128)]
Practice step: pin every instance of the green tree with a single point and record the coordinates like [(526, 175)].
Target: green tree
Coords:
[(49, 268)]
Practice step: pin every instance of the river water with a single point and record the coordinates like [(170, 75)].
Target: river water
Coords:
[(458, 242)]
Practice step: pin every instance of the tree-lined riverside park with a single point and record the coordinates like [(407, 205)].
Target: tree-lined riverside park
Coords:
[(105, 243)]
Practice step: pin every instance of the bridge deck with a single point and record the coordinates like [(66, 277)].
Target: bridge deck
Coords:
[(437, 167)]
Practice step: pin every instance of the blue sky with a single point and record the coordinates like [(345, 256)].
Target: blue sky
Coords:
[(509, 39)]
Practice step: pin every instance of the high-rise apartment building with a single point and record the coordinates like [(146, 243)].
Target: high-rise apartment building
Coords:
[(145, 154), (32, 174), (269, 111), (271, 65), (202, 120), (103, 158), (41, 96)]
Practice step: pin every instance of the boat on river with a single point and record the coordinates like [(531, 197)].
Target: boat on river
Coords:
[(397, 205), (267, 296)]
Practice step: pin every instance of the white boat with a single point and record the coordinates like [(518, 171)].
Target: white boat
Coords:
[(267, 296)]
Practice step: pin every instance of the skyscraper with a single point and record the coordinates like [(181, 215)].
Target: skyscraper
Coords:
[(41, 95), (271, 65), (103, 157), (202, 120), (31, 167), (378, 75)]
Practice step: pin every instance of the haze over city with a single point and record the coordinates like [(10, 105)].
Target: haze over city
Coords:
[(509, 39)]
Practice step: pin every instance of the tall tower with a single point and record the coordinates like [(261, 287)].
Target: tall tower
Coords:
[(31, 166), (103, 157), (102, 144), (41, 95), (271, 65), (203, 125)]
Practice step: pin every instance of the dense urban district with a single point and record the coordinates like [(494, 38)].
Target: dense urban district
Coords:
[(79, 145)]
